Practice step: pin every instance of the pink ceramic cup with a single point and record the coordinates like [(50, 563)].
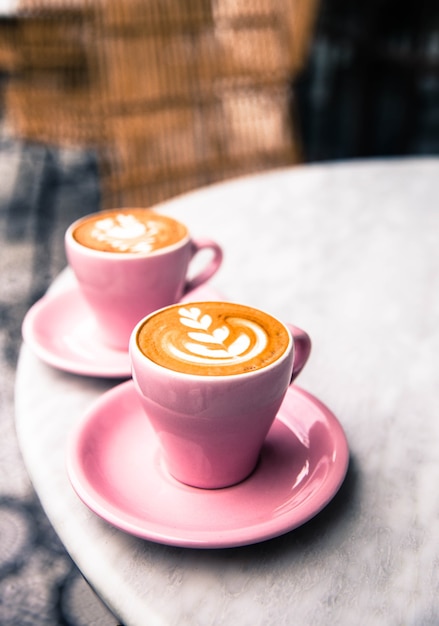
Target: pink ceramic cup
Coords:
[(211, 428), (121, 288)]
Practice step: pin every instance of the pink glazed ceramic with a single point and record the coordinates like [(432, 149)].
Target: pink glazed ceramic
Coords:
[(121, 288), (212, 428)]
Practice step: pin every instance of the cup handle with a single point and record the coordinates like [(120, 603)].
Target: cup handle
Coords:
[(302, 349), (210, 269)]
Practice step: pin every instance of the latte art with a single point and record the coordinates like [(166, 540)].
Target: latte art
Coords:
[(214, 346), (212, 338), (138, 231)]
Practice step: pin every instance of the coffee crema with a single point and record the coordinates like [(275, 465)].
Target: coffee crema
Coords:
[(212, 338), (139, 231)]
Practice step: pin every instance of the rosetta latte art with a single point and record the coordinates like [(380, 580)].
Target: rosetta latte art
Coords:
[(126, 232), (212, 338), (135, 231), (207, 345)]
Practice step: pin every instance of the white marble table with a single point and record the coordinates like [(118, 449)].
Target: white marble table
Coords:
[(349, 252)]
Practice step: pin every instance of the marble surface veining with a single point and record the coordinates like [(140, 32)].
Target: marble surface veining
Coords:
[(350, 253)]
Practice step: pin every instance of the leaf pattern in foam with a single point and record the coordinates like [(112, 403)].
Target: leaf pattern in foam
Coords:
[(219, 335), (191, 317)]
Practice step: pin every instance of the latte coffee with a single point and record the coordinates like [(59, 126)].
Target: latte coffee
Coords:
[(212, 338), (138, 231), (211, 377)]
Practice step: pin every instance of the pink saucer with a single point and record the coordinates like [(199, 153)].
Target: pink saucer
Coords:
[(60, 329), (115, 466)]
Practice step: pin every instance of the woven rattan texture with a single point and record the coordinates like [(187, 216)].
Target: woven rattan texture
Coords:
[(173, 94)]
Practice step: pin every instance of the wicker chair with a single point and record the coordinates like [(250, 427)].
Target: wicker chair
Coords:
[(172, 94)]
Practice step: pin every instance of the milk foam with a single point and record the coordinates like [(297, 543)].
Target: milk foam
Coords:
[(210, 345), (126, 232), (129, 231), (213, 338)]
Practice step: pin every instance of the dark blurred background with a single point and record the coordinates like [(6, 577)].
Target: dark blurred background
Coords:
[(368, 87)]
